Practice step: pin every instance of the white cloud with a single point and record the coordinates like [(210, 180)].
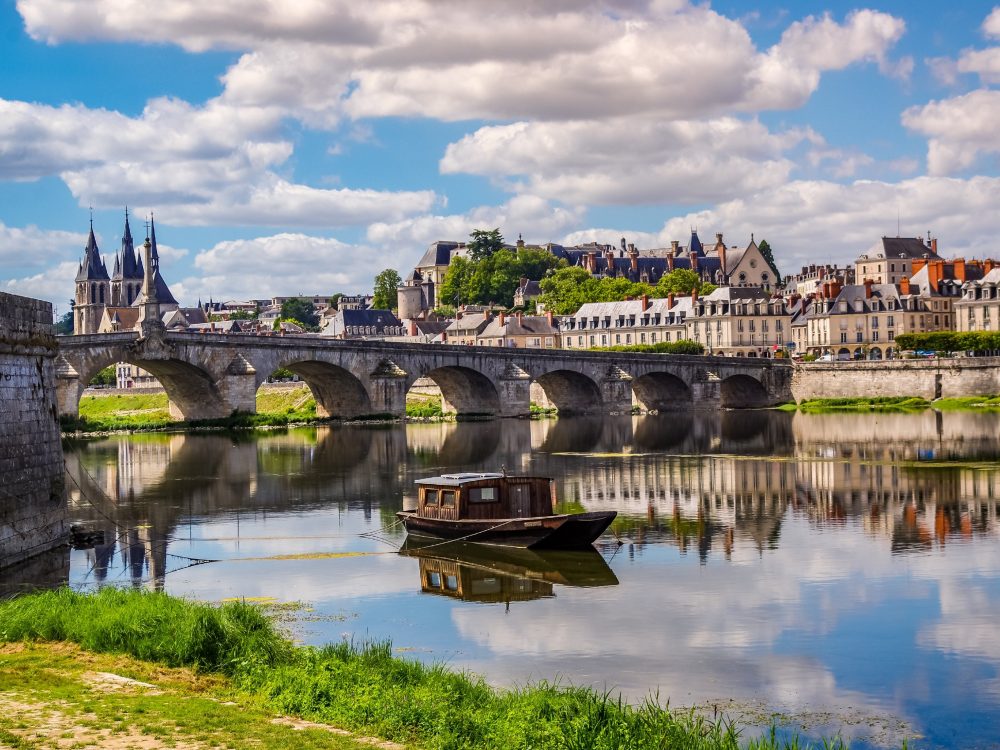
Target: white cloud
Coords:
[(665, 162), (210, 164), (55, 284), (30, 246), (959, 129), (286, 264), (465, 60), (529, 215), (991, 26), (813, 221), (984, 63)]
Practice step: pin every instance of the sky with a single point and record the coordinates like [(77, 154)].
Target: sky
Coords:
[(301, 148)]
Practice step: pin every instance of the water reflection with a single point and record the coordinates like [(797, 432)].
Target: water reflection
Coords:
[(830, 561), (482, 573)]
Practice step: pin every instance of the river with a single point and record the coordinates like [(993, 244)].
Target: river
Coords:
[(840, 571)]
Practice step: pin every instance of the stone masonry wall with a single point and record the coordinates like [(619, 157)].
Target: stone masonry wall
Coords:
[(927, 378), (32, 480)]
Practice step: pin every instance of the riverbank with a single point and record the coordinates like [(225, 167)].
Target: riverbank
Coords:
[(199, 661), (893, 404)]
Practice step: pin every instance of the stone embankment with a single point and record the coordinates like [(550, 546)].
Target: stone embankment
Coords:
[(925, 378), (32, 482)]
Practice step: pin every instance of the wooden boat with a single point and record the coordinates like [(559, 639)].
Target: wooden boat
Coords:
[(499, 509)]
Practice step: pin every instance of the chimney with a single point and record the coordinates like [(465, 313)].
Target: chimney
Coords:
[(592, 262), (934, 245), (835, 288), (551, 319), (500, 319), (868, 288), (821, 272), (694, 295), (412, 325), (722, 254), (694, 262), (904, 285), (459, 314), (670, 262), (520, 318), (633, 257), (645, 302), (987, 267), (960, 270), (670, 300), (918, 265)]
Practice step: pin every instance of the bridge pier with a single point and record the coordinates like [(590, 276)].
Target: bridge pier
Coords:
[(616, 391), (514, 392), (706, 393), (387, 391), (237, 387)]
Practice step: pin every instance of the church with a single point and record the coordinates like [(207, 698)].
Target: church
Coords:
[(106, 303)]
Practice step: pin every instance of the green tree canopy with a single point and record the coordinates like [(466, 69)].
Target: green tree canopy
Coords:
[(386, 284), (300, 311), (768, 253), (494, 278), (105, 377), (485, 242), (64, 325), (682, 281)]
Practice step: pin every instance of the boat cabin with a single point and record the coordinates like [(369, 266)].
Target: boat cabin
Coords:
[(455, 497)]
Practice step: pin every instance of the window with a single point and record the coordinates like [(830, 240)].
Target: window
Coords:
[(860, 337), (591, 340), (430, 498), (843, 337), (434, 579), (892, 335), (652, 338), (891, 321), (642, 338), (447, 498), (874, 321), (618, 338), (548, 342), (874, 335), (579, 340), (604, 339), (483, 495), (628, 338)]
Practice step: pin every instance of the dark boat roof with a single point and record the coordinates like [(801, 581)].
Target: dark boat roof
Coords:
[(468, 477)]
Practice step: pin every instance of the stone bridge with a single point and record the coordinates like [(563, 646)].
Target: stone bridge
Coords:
[(214, 375)]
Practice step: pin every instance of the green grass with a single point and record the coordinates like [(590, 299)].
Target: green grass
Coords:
[(424, 407), (361, 687), (879, 403), (968, 403)]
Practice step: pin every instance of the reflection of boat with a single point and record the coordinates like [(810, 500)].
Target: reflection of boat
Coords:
[(497, 509), (473, 572)]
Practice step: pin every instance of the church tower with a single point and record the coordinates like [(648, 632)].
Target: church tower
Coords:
[(155, 297), (126, 281), (93, 288)]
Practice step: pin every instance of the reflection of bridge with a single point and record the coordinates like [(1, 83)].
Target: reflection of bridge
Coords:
[(208, 376)]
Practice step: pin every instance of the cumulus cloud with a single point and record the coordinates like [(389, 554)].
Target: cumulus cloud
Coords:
[(212, 164), (529, 215), (812, 221), (442, 60), (580, 162), (991, 26), (285, 264), (959, 129), (31, 246), (55, 284)]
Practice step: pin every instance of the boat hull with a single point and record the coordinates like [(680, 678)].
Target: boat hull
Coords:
[(563, 531)]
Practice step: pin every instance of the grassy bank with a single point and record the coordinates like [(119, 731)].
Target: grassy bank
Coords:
[(361, 688), (276, 407), (904, 404)]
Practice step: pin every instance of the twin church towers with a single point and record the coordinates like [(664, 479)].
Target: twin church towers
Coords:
[(128, 294)]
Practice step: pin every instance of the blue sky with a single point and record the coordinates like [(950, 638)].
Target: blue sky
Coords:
[(303, 148)]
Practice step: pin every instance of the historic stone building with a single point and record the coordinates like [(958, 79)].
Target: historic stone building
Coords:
[(104, 303), (891, 259)]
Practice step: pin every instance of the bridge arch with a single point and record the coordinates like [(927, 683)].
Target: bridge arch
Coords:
[(661, 391), (191, 391), (743, 392), (465, 391), (571, 392), (338, 392)]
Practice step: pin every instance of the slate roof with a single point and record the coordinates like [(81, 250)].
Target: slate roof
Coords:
[(898, 247), (438, 254), (92, 267), (528, 325), (468, 323)]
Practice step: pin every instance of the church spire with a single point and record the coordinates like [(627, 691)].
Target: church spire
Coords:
[(130, 262), (92, 268)]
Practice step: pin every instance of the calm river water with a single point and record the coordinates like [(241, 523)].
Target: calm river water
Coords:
[(841, 571)]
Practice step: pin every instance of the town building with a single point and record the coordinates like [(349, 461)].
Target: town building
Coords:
[(739, 322), (811, 278), (891, 259), (465, 329), (363, 324), (526, 293), (978, 308), (625, 323), (521, 331)]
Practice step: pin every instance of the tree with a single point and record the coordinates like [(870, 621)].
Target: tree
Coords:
[(494, 278), (65, 324), (301, 311), (765, 250), (484, 243), (682, 281), (105, 377), (386, 284)]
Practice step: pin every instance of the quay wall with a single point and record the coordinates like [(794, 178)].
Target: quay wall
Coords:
[(32, 478), (926, 378)]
